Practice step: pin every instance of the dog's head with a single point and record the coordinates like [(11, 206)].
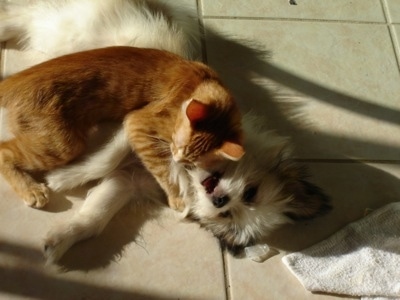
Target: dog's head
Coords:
[(242, 202)]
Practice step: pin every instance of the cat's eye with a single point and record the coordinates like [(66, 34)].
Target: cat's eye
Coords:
[(249, 195)]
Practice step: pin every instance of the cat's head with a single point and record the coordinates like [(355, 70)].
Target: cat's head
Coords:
[(244, 201), (206, 135)]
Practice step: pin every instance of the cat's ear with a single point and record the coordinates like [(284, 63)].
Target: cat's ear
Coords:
[(196, 111), (231, 150)]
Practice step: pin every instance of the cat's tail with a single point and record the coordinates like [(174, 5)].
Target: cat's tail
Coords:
[(93, 166)]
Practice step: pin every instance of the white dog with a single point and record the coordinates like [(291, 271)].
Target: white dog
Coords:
[(240, 202)]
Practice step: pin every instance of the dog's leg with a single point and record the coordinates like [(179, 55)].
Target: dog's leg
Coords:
[(94, 166), (101, 204)]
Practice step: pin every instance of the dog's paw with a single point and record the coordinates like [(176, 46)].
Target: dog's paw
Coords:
[(55, 245), (37, 196), (56, 180)]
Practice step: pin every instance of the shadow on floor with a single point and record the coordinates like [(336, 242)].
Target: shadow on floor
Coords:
[(352, 185), (24, 281)]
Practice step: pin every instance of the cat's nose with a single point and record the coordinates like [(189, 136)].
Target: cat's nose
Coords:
[(177, 156), (219, 202)]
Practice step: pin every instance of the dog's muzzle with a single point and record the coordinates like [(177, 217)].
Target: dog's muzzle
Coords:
[(219, 202), (209, 184)]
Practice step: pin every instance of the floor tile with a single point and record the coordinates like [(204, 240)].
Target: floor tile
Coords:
[(338, 82), (135, 258), (394, 10), (353, 188), (15, 59), (366, 11)]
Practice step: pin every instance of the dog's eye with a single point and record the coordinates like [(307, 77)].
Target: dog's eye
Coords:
[(249, 195), (225, 214)]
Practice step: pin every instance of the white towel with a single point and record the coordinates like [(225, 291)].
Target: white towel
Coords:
[(362, 259)]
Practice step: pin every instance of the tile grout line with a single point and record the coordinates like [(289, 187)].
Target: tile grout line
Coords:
[(385, 10), (395, 43), (392, 33), (294, 20), (347, 161), (204, 58), (225, 267)]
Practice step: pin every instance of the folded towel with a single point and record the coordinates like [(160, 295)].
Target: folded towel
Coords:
[(362, 259)]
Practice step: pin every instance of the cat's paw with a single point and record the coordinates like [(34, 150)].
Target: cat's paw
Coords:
[(37, 196), (176, 203)]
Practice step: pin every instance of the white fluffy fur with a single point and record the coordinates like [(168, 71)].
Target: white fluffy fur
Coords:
[(62, 26), (94, 167), (56, 27), (101, 204)]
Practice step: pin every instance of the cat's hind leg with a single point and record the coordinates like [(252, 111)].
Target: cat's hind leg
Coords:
[(32, 152), (101, 204), (34, 194)]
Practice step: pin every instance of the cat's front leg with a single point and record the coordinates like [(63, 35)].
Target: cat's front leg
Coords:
[(143, 134), (174, 200)]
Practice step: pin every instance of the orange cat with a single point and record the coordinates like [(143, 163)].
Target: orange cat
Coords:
[(173, 110)]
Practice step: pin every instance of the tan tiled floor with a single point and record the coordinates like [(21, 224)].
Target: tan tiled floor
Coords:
[(332, 64)]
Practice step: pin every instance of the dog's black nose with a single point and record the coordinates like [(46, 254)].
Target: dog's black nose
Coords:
[(220, 201)]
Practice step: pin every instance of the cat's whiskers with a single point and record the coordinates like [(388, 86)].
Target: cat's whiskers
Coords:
[(160, 142), (160, 146)]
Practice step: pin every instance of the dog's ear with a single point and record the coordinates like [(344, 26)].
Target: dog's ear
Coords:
[(307, 200)]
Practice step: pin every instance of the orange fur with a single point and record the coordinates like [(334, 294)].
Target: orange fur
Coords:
[(52, 107)]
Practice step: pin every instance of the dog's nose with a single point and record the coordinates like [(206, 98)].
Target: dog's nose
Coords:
[(220, 201)]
